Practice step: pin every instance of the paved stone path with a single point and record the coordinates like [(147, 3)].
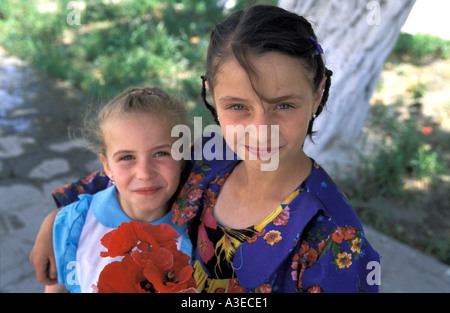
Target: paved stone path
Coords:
[(36, 156)]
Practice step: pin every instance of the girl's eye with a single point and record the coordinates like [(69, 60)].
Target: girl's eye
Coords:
[(161, 154), (284, 106), (237, 107), (126, 158)]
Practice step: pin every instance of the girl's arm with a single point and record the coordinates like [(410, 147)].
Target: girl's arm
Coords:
[(41, 255), (56, 289), (91, 184)]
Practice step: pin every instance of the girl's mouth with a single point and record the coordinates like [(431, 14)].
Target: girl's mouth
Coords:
[(261, 151), (147, 191)]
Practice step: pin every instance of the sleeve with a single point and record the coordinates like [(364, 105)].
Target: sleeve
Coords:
[(67, 229), (344, 262), (209, 158), (91, 184)]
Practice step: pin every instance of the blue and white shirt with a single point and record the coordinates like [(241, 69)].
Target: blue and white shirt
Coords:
[(77, 231)]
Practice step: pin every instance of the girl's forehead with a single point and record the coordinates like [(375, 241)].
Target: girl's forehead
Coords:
[(270, 73), (143, 124), (136, 132), (138, 117)]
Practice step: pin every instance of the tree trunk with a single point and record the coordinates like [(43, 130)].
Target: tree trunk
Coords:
[(357, 36)]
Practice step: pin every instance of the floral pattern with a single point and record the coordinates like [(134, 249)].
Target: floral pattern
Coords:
[(331, 240), (87, 185), (273, 237)]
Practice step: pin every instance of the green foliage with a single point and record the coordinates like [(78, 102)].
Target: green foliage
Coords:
[(404, 152), (417, 47), (118, 44)]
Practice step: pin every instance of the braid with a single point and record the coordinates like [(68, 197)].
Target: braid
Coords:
[(326, 91), (208, 106), (323, 102)]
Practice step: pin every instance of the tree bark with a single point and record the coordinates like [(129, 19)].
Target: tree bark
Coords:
[(357, 36)]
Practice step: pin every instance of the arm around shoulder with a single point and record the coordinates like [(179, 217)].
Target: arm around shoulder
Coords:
[(41, 255)]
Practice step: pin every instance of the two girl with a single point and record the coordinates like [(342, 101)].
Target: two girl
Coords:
[(286, 230)]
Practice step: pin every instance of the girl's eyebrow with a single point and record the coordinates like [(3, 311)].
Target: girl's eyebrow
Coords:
[(163, 146), (274, 100), (231, 99), (284, 98), (122, 152)]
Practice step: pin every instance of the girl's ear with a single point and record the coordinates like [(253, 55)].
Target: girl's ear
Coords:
[(319, 94), (105, 164)]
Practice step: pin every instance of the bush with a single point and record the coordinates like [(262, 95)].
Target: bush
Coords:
[(405, 152), (419, 46)]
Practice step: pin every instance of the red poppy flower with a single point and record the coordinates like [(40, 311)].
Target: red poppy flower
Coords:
[(151, 262), (127, 236), (124, 276), (167, 271), (427, 130)]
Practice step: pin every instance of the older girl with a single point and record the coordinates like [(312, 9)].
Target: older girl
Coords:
[(286, 230)]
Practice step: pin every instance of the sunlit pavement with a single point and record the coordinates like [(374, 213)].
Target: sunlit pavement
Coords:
[(36, 156)]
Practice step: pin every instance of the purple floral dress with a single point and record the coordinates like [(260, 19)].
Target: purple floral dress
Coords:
[(313, 241)]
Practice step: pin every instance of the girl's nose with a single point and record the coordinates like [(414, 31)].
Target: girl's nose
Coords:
[(263, 121), (145, 170)]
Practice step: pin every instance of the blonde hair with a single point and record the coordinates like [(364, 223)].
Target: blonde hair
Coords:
[(152, 100)]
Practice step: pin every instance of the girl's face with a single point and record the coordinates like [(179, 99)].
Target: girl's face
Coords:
[(290, 102), (138, 159)]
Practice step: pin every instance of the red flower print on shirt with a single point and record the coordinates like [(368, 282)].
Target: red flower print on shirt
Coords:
[(343, 233), (205, 246), (282, 218)]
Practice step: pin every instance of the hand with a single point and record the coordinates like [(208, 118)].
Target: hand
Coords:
[(41, 255)]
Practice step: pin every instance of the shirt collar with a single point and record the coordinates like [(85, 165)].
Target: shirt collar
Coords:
[(109, 213), (106, 208)]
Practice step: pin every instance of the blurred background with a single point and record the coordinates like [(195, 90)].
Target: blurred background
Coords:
[(56, 65)]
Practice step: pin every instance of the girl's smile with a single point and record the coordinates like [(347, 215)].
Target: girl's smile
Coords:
[(147, 191), (262, 152)]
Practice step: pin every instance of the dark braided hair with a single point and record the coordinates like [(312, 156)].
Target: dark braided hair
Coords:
[(258, 30), (208, 106)]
